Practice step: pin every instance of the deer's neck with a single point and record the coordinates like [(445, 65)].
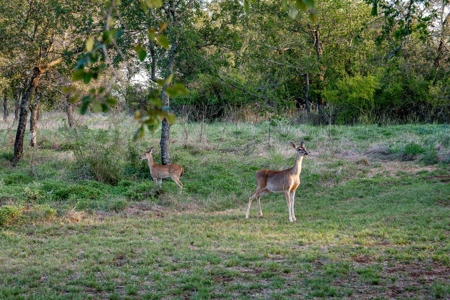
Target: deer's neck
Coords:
[(150, 163), (297, 168)]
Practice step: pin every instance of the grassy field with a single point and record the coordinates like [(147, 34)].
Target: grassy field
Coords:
[(80, 218)]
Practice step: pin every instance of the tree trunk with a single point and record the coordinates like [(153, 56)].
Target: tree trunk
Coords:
[(318, 46), (18, 144), (69, 111), (38, 110), (307, 104), (165, 130), (5, 106), (17, 106), (34, 107), (164, 142), (441, 48)]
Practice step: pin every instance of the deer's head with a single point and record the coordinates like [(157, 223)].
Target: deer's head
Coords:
[(300, 149), (147, 154)]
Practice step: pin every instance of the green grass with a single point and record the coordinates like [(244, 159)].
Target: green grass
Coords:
[(372, 214)]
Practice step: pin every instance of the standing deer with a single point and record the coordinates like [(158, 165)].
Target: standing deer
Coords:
[(285, 181), (159, 172)]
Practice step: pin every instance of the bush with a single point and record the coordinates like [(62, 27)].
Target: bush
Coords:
[(77, 191), (98, 154), (411, 150), (41, 213), (354, 98), (17, 178), (33, 192), (10, 214)]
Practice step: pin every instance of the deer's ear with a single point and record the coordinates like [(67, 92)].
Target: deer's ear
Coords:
[(302, 144), (293, 145)]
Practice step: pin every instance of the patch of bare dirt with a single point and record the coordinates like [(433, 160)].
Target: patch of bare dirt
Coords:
[(397, 281), (441, 178), (393, 167)]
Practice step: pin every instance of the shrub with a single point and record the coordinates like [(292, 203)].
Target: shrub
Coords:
[(98, 154), (77, 191), (353, 97), (17, 178), (411, 150), (41, 213), (33, 192), (10, 214)]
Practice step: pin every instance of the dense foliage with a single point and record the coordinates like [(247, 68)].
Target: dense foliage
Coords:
[(342, 62)]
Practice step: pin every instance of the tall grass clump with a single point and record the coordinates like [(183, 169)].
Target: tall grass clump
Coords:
[(98, 153), (10, 214)]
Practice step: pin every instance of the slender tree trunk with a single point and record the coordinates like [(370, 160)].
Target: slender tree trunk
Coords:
[(164, 142), (441, 47), (17, 105), (307, 104), (38, 110), (318, 46), (165, 130), (18, 144), (69, 111), (34, 107), (5, 106)]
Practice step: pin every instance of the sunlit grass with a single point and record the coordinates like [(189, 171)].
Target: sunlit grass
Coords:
[(372, 214)]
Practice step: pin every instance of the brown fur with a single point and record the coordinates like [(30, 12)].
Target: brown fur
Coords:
[(286, 181)]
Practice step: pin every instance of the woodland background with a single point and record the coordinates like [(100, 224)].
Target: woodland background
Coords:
[(329, 62)]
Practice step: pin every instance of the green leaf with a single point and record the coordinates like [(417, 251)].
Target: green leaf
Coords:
[(105, 108), (163, 41), (293, 12), (96, 106), (162, 27), (84, 107), (90, 44), (78, 75), (309, 3), (107, 37), (300, 4), (153, 3), (139, 133), (169, 79), (93, 56), (177, 89), (313, 15), (111, 101), (87, 99), (74, 99), (142, 54), (87, 77), (67, 89), (170, 118), (155, 101), (246, 7)]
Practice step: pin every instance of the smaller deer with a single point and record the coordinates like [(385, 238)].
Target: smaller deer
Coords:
[(159, 172), (285, 181)]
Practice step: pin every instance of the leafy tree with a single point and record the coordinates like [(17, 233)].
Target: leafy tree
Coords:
[(38, 36)]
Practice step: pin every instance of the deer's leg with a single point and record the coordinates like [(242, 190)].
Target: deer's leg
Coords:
[(178, 182), (292, 205), (288, 201), (159, 183), (252, 196), (256, 194), (259, 203)]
